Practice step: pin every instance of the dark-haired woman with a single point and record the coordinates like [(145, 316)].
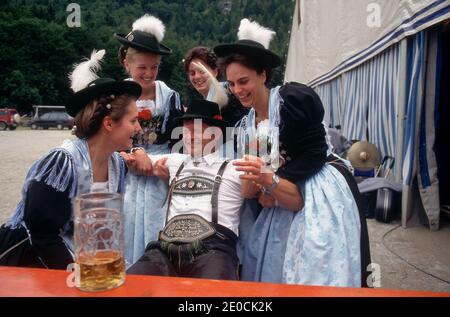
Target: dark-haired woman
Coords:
[(40, 232), (320, 243)]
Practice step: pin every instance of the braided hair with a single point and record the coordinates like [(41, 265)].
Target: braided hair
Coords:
[(89, 120)]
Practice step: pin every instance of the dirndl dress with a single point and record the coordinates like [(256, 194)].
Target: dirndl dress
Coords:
[(318, 245)]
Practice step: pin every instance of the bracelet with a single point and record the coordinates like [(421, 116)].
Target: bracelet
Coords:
[(136, 148)]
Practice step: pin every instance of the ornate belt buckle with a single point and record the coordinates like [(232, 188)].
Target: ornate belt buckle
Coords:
[(186, 229)]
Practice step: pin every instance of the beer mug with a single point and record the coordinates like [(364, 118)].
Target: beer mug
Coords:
[(99, 241)]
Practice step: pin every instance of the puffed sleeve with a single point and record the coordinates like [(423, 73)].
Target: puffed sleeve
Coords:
[(302, 135), (48, 209)]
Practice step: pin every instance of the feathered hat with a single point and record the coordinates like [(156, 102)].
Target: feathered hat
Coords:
[(253, 40), (146, 35), (87, 86)]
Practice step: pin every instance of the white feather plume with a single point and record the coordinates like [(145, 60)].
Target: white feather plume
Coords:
[(85, 72), (150, 24), (220, 94), (249, 30)]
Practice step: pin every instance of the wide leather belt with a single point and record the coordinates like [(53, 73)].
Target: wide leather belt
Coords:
[(186, 229)]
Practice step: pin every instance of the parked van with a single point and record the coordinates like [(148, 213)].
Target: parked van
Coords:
[(49, 116), (52, 119), (7, 119)]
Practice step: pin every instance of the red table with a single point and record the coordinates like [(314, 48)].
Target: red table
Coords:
[(39, 282)]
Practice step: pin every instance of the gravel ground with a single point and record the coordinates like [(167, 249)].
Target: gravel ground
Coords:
[(18, 150)]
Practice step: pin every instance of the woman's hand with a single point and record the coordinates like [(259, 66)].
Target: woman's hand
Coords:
[(130, 161), (138, 162), (254, 170), (286, 194)]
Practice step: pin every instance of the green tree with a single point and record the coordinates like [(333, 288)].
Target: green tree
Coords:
[(38, 48)]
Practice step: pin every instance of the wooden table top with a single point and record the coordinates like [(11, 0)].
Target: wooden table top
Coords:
[(18, 282)]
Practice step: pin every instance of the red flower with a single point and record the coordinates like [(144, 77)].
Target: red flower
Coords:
[(145, 115), (218, 117)]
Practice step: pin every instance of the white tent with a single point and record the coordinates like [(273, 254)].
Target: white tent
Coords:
[(375, 65)]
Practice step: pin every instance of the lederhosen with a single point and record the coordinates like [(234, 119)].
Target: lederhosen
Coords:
[(190, 245)]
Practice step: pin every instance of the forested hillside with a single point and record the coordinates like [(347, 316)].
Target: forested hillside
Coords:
[(38, 47)]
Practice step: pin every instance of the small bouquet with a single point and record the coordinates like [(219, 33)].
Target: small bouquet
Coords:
[(261, 146), (150, 126), (144, 117)]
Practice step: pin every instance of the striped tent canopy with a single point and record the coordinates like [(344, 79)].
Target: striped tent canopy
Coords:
[(378, 76)]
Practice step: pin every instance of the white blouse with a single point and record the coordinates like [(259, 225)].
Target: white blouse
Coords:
[(146, 104)]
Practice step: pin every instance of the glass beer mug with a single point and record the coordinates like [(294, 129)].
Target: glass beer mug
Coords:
[(99, 242)]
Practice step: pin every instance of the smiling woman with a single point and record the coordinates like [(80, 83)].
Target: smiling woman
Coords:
[(140, 55), (282, 246), (143, 68), (39, 234)]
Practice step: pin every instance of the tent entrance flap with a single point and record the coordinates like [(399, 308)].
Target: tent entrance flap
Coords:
[(443, 115)]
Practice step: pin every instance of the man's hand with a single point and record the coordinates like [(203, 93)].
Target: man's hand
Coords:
[(161, 170), (267, 200)]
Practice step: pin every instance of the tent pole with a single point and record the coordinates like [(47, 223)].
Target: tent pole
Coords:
[(400, 102)]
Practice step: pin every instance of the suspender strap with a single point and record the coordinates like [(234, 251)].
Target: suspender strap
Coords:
[(172, 185), (214, 196), (215, 193)]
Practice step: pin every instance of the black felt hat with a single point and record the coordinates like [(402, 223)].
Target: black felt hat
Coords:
[(206, 110), (97, 88), (250, 48), (143, 41)]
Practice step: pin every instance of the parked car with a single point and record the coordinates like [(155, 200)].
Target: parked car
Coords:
[(53, 119), (7, 119)]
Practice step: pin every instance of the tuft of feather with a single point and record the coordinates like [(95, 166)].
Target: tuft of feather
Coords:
[(85, 72), (220, 95), (249, 30), (150, 24)]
